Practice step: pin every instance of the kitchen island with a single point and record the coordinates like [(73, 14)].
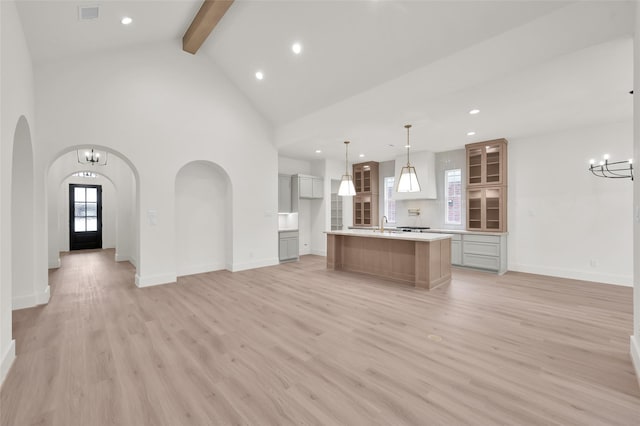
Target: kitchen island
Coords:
[(423, 260)]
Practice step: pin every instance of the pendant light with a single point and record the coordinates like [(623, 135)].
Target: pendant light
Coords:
[(346, 183), (408, 181)]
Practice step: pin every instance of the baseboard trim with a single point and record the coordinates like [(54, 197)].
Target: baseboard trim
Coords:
[(622, 280), (200, 269), (54, 264), (7, 360), (635, 355), (253, 265), (23, 302), (319, 252), (122, 258), (151, 280), (44, 297)]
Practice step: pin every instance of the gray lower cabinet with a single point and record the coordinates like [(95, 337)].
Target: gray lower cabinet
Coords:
[(456, 250), (485, 252), (288, 243), (488, 252)]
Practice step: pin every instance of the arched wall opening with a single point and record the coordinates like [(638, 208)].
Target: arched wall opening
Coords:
[(59, 224), (204, 218), (120, 203), (22, 218)]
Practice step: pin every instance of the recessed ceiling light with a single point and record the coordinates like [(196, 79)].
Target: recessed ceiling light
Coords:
[(259, 75), (126, 20), (297, 48), (361, 155), (471, 133), (474, 111), (318, 151)]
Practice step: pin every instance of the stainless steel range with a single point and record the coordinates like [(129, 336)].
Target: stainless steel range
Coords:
[(412, 228)]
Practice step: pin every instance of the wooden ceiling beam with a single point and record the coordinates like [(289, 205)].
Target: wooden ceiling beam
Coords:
[(205, 21)]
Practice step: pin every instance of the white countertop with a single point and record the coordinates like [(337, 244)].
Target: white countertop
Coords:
[(287, 229), (441, 231), (408, 236)]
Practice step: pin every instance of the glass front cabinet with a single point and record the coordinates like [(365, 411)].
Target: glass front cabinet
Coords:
[(487, 163), (486, 209), (487, 186)]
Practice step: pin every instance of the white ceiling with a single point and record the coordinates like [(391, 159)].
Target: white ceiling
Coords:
[(369, 67)]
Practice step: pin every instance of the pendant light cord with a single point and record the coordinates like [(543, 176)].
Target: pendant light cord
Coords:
[(408, 126), (346, 158)]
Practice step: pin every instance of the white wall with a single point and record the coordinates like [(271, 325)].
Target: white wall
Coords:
[(635, 338), (162, 109), (563, 221), (203, 204), (17, 94)]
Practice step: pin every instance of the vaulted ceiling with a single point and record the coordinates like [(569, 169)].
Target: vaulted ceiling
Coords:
[(368, 67)]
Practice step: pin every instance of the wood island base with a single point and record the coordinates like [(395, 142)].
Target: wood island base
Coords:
[(425, 264)]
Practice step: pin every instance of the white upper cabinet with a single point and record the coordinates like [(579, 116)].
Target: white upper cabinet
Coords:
[(425, 164)]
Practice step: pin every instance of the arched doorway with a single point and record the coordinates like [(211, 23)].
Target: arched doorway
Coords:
[(120, 215), (203, 218)]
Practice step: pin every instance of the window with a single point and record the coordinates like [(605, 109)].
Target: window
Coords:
[(389, 202), (85, 174), (453, 197)]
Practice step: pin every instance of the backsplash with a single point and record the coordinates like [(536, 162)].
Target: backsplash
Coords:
[(287, 221), (432, 211)]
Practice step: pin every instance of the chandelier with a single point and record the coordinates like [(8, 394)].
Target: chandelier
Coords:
[(614, 170), (93, 157)]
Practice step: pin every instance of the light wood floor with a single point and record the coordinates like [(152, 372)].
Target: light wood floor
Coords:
[(297, 344)]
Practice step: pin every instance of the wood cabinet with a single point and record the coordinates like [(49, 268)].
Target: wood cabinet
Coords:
[(486, 209), (365, 210), (365, 202), (487, 163), (487, 186), (288, 245), (365, 177)]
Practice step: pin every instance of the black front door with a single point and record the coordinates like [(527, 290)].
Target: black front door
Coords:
[(85, 217)]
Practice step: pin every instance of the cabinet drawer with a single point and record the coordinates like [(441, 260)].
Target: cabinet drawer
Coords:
[(495, 239), (481, 248), (479, 261), (288, 234)]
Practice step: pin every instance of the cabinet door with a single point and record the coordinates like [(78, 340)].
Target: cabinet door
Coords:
[(284, 249), (292, 248), (357, 211), (357, 178), (485, 209), (318, 187), (474, 210), (494, 212), (486, 163), (305, 186), (284, 194), (456, 252), (474, 165), (494, 163)]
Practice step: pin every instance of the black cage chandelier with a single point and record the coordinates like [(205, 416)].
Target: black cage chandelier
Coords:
[(614, 170), (92, 157)]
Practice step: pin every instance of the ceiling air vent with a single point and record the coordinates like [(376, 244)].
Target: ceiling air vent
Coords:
[(88, 13)]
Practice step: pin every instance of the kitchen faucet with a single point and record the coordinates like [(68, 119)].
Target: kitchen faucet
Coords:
[(382, 221)]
